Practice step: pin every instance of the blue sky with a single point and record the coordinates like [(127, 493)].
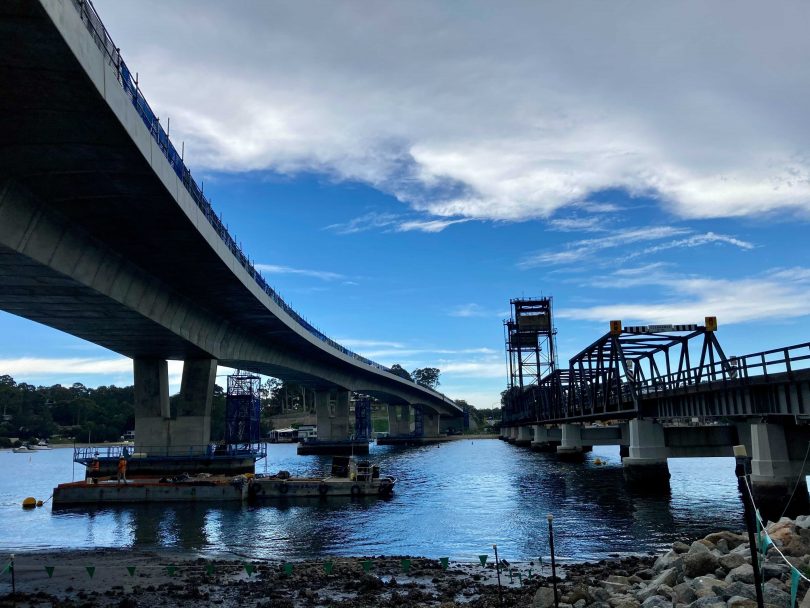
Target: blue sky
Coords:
[(398, 181)]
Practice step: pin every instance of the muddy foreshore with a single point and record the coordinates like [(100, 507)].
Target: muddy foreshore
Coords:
[(226, 582)]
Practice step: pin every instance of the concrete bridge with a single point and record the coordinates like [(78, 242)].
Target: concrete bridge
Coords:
[(104, 234), (670, 391)]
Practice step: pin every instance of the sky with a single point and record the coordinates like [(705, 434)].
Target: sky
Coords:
[(400, 171)]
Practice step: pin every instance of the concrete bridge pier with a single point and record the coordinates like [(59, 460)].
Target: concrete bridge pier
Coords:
[(775, 471), (152, 413), (647, 463), (571, 448), (399, 420), (193, 424), (430, 423), (525, 435), (545, 439), (513, 434), (332, 419)]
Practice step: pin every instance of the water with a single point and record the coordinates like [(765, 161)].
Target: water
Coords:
[(455, 500)]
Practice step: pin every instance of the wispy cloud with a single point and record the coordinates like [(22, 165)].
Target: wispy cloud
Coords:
[(369, 221), (33, 367), (356, 343), (696, 240), (475, 310), (427, 225), (577, 251), (323, 275), (774, 296), (577, 224)]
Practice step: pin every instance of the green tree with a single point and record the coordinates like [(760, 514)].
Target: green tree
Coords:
[(427, 376), (400, 371)]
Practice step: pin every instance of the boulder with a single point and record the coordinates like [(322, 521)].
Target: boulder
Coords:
[(680, 547), (710, 601), (805, 603), (577, 593), (580, 604), (744, 573), (667, 560), (599, 594), (733, 540), (732, 560), (803, 522), (775, 596), (668, 577), (772, 570), (543, 598), (783, 530), (657, 601), (684, 593), (707, 585), (737, 601), (797, 545), (722, 546), (739, 589), (699, 560), (624, 601)]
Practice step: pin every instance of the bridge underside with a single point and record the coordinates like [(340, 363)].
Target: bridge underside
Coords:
[(100, 239)]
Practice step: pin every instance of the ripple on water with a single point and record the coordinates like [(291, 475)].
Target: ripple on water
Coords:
[(456, 501)]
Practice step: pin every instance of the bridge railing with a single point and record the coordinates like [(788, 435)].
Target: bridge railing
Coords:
[(104, 41), (86, 454)]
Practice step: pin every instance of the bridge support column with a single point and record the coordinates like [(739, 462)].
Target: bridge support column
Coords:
[(191, 430), (542, 440), (430, 421), (152, 413), (399, 420), (774, 474), (525, 435), (647, 463), (323, 414), (513, 433), (332, 415), (571, 447)]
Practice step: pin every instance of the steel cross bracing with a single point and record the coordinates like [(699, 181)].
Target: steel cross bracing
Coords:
[(667, 372)]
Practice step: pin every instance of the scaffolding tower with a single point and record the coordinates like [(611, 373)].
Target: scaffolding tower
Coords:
[(242, 409), (530, 350)]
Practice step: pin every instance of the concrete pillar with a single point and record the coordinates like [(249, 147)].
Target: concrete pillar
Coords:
[(191, 430), (340, 423), (323, 414), (774, 475), (430, 420), (152, 414), (399, 420), (646, 466), (542, 440), (571, 446), (524, 436), (513, 432)]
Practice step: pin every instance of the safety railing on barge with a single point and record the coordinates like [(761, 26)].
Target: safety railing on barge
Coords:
[(212, 451), (104, 41)]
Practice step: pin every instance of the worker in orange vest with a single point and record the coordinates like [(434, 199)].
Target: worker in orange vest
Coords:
[(94, 468), (122, 469)]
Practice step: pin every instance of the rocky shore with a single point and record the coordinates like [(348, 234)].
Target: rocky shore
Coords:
[(712, 572)]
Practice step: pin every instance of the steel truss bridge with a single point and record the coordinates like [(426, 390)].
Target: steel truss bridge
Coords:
[(665, 372)]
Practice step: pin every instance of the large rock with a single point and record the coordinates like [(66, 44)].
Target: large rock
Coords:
[(699, 560), (707, 585), (668, 577), (772, 570), (803, 521), (599, 594), (684, 593), (680, 547), (737, 601), (544, 598), (744, 574), (739, 589), (775, 596), (710, 601), (783, 530), (732, 560), (577, 593), (657, 601), (733, 540), (667, 560), (624, 601), (797, 545)]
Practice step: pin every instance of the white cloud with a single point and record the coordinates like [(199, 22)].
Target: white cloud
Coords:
[(774, 296), (476, 310), (577, 251), (318, 274), (355, 343), (577, 224), (696, 240), (34, 367), (428, 225), (702, 104), (369, 221)]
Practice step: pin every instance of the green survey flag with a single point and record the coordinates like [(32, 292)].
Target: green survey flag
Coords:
[(327, 567), (209, 569), (795, 577), (406, 565), (49, 570), (131, 570), (444, 561), (366, 566), (170, 569), (288, 568), (249, 568), (483, 559), (6, 568), (91, 570)]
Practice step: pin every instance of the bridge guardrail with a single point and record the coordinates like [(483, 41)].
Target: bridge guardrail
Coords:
[(86, 454), (104, 41)]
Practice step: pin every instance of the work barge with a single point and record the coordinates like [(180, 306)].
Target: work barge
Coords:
[(347, 478)]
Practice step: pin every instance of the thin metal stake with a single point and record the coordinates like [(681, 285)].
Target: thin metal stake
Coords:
[(13, 580), (498, 570), (550, 519), (742, 469)]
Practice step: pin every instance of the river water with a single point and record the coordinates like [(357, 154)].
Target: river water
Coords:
[(454, 500)]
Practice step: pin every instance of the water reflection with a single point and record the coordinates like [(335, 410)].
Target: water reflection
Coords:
[(455, 501)]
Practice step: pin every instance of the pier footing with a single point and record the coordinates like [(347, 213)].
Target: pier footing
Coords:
[(332, 448)]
